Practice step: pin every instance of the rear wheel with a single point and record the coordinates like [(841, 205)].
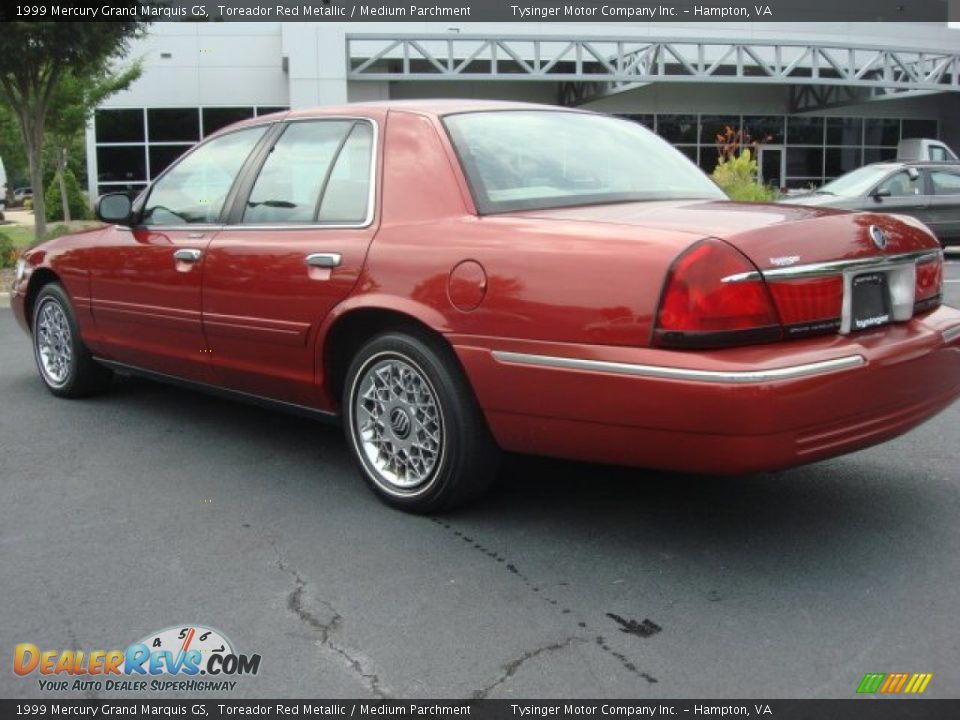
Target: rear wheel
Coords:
[(65, 364), (414, 426)]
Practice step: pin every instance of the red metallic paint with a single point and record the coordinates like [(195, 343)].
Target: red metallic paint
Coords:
[(146, 305), (576, 282)]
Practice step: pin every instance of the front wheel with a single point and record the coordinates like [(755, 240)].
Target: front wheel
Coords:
[(65, 364), (414, 426)]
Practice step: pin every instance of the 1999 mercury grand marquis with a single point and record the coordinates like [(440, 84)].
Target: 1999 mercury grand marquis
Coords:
[(453, 278)]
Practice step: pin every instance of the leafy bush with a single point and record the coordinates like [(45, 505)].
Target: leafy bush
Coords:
[(8, 252), (76, 199), (737, 177)]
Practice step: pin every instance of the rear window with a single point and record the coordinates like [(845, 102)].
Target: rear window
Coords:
[(536, 159)]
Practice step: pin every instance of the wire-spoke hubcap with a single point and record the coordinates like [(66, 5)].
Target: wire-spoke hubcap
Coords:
[(53, 342), (398, 425)]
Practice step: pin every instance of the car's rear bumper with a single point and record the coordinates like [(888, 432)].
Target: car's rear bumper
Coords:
[(732, 411)]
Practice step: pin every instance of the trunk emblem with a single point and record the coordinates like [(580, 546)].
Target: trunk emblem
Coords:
[(879, 237), (784, 261)]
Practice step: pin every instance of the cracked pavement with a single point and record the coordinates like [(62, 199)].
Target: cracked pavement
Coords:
[(154, 506)]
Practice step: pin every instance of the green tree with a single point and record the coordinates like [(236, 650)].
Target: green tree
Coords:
[(34, 59), (75, 100)]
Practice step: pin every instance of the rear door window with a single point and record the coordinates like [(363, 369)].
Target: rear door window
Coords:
[(317, 172), (944, 182)]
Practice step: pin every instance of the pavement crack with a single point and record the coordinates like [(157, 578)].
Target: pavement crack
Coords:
[(326, 630), (89, 693), (510, 669)]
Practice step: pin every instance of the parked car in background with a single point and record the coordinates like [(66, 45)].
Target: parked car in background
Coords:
[(452, 278), (22, 194), (927, 191), (923, 149)]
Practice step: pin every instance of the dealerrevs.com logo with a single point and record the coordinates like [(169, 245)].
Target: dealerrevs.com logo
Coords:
[(185, 657)]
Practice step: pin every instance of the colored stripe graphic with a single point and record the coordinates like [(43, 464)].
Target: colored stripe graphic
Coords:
[(918, 683), (894, 683), (870, 683)]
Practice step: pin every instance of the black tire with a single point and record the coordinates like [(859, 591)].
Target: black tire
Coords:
[(78, 375), (429, 476)]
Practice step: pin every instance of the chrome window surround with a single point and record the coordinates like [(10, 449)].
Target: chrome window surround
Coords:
[(737, 377), (371, 198)]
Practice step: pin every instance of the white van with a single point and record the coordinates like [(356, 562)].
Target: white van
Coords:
[(3, 189), (924, 149)]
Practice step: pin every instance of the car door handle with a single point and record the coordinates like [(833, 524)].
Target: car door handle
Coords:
[(188, 254), (324, 260)]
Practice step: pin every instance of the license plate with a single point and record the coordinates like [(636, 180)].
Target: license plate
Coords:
[(871, 301)]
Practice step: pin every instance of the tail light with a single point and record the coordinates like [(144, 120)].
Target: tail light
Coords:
[(808, 306), (701, 307), (929, 286)]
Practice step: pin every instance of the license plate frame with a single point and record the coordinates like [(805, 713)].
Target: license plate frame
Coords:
[(870, 303)]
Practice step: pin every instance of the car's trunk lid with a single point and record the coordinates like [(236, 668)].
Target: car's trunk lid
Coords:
[(771, 235)]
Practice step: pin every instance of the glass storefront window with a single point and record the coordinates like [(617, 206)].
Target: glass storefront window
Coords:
[(805, 131), (677, 129), (216, 118), (920, 129), (173, 124), (765, 128), (805, 162), (839, 161), (872, 155), (881, 131), (713, 125), (119, 126), (844, 131), (121, 163)]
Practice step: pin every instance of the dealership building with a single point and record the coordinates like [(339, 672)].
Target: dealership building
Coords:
[(825, 98)]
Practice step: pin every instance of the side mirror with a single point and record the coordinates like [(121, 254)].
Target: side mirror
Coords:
[(115, 209), (913, 173), (880, 193)]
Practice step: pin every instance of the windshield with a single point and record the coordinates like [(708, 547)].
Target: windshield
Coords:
[(535, 159), (856, 182)]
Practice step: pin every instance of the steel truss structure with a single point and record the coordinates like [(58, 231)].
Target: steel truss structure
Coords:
[(820, 74)]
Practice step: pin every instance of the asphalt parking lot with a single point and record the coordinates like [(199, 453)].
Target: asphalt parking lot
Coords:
[(153, 507)]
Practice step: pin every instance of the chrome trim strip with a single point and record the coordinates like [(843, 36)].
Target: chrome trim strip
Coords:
[(323, 260), (371, 199), (742, 277), (674, 373), (834, 267), (951, 334)]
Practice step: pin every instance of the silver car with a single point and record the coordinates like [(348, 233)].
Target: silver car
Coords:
[(928, 191)]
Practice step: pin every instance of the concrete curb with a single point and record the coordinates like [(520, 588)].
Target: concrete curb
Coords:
[(4, 299)]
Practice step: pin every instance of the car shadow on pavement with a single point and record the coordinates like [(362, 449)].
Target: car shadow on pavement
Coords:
[(827, 515)]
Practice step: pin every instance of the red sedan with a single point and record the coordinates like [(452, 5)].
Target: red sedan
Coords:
[(453, 278)]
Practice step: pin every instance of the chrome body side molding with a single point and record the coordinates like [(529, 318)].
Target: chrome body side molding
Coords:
[(737, 377)]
